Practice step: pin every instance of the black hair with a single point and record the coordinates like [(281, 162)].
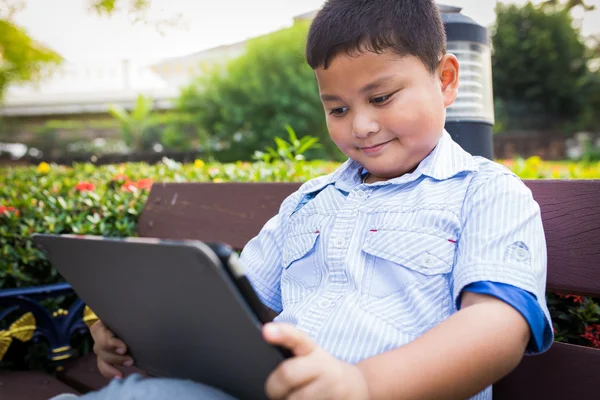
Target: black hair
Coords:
[(407, 27)]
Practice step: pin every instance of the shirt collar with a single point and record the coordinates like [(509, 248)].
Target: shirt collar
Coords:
[(446, 160)]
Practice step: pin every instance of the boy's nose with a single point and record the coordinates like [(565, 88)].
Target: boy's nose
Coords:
[(364, 125)]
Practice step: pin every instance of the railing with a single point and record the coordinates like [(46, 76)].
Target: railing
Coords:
[(37, 322)]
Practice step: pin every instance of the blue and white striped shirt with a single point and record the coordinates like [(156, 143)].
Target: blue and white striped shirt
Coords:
[(366, 268)]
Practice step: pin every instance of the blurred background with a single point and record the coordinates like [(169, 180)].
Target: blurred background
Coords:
[(108, 81)]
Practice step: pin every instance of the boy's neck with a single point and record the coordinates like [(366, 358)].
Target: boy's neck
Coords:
[(369, 178)]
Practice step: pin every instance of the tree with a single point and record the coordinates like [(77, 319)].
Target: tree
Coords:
[(539, 67), (246, 103), (568, 5), (22, 59)]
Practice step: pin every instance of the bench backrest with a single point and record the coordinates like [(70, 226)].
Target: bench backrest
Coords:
[(235, 212)]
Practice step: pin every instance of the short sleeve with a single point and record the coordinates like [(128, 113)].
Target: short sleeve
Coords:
[(262, 256), (527, 305), (502, 238)]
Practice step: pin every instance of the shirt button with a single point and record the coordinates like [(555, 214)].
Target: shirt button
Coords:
[(428, 261), (339, 242), (360, 194), (324, 303)]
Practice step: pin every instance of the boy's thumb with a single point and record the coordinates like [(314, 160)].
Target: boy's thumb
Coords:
[(289, 337)]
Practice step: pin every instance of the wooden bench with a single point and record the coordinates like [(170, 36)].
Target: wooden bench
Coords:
[(235, 212)]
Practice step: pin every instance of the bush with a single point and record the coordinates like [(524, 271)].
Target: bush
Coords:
[(245, 103), (107, 201), (99, 201)]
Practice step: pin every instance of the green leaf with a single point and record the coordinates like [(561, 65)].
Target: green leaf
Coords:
[(293, 138), (307, 143)]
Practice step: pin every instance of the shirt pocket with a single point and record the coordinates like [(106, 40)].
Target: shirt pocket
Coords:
[(406, 280), (301, 273)]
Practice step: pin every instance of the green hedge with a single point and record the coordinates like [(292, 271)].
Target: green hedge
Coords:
[(107, 201), (100, 201)]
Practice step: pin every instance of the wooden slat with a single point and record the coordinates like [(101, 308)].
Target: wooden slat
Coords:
[(563, 372), (571, 215), (82, 374), (31, 385), (235, 212), (229, 212)]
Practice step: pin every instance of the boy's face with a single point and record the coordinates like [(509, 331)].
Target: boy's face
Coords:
[(385, 111)]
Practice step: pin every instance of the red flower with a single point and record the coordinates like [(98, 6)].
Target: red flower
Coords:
[(139, 185), (128, 186), (120, 177), (592, 334), (576, 299), (144, 184), (85, 187), (9, 209)]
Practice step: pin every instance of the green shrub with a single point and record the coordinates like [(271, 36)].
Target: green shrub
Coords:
[(100, 201)]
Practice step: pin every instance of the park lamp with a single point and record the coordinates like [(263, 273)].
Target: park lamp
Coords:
[(470, 119)]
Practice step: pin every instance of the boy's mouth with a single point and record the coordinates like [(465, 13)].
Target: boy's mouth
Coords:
[(374, 149)]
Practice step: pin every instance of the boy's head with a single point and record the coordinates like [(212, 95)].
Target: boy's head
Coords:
[(384, 78)]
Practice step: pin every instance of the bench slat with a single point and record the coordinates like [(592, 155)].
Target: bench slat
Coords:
[(235, 212), (30, 385), (564, 372), (571, 216), (232, 213), (82, 374)]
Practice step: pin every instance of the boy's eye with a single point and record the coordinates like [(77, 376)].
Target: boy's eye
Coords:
[(380, 99), (338, 111)]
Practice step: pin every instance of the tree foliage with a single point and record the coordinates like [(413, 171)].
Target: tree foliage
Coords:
[(568, 5), (244, 104), (21, 58), (539, 67)]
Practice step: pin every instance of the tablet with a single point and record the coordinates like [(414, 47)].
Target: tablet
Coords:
[(178, 305)]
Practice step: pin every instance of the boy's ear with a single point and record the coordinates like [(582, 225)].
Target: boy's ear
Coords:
[(448, 75)]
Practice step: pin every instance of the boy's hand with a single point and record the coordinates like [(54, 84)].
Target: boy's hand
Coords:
[(110, 351), (312, 373)]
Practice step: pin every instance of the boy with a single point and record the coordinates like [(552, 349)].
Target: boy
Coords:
[(414, 271)]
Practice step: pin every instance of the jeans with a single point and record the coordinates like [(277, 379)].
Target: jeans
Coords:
[(135, 387)]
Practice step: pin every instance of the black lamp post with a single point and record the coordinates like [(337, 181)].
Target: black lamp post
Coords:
[(471, 118)]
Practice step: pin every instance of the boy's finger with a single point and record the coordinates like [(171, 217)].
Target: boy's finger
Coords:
[(108, 370), (118, 345), (290, 375), (289, 336), (114, 359)]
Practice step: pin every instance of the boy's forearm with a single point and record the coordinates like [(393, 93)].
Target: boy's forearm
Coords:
[(456, 359)]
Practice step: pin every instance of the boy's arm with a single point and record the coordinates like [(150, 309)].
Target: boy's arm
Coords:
[(262, 257), (456, 359)]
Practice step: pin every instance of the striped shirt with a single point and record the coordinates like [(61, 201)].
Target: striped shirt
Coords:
[(366, 268)]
